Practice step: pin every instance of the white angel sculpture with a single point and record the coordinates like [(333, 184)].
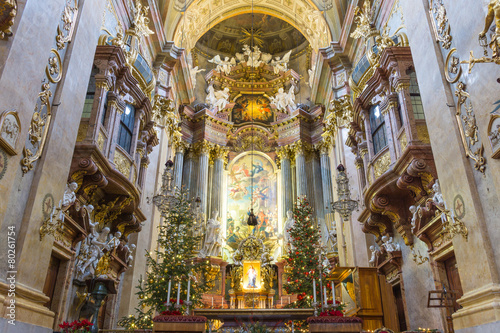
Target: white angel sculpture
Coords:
[(281, 64), (222, 97), (192, 72), (311, 75), (280, 100), (254, 57), (211, 99), (290, 98), (223, 65)]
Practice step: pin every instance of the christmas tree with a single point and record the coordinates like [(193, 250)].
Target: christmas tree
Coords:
[(302, 255), (173, 262)]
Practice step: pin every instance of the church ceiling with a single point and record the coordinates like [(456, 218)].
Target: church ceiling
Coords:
[(187, 27), (270, 33)]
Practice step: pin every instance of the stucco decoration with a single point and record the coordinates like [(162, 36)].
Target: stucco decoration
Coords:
[(301, 14)]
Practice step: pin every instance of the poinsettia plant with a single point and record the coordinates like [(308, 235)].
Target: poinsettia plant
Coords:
[(335, 310), (76, 326), (170, 310)]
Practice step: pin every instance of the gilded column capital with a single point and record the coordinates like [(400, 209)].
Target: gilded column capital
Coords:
[(401, 86), (180, 146), (218, 153), (202, 147), (103, 84), (283, 152)]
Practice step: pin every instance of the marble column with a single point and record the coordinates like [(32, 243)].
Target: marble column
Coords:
[(219, 154), (286, 180), (300, 164), (180, 148), (326, 177), (203, 149), (187, 173)]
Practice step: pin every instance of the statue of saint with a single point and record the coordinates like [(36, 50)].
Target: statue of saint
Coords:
[(211, 247), (69, 196), (289, 223)]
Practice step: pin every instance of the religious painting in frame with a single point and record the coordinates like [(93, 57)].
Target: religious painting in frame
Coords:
[(251, 276), (252, 108), (251, 182)]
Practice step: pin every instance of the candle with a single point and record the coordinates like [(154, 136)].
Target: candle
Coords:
[(178, 292), (212, 301), (314, 290), (333, 292), (189, 285), (169, 287), (324, 293)]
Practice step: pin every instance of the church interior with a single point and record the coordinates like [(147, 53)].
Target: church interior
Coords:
[(239, 166)]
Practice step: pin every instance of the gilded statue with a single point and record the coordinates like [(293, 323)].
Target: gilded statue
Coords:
[(493, 13)]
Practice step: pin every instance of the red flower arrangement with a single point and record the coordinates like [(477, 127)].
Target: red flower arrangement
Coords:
[(76, 326), (171, 310), (335, 311)]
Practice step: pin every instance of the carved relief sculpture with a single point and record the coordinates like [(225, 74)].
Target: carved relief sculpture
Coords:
[(10, 127)]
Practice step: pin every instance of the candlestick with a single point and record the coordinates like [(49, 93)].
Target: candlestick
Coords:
[(168, 294), (333, 292), (178, 292), (314, 290), (189, 285), (324, 293), (212, 301)]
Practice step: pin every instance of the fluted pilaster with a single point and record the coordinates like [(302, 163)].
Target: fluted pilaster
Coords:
[(188, 173), (218, 154), (203, 150), (286, 179), (180, 148), (300, 165)]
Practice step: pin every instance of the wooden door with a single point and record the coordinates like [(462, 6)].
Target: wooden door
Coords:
[(51, 278), (398, 296), (453, 278)]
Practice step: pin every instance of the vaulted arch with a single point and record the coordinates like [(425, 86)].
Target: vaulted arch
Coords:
[(186, 28)]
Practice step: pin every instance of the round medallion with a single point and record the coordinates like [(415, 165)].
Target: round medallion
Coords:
[(47, 205), (459, 206), (3, 163)]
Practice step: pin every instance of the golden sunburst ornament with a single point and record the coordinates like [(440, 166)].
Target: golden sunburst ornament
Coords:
[(250, 34)]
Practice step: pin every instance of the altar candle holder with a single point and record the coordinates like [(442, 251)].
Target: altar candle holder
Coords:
[(188, 306), (315, 306)]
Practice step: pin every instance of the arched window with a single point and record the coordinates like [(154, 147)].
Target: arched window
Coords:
[(378, 129), (416, 101), (126, 128), (89, 98)]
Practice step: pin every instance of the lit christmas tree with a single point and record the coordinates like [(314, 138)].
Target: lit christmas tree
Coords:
[(302, 256), (173, 262)]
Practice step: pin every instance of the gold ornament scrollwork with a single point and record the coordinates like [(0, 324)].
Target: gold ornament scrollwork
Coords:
[(382, 164), (468, 128), (122, 163), (465, 117), (440, 23), (493, 14), (42, 114)]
